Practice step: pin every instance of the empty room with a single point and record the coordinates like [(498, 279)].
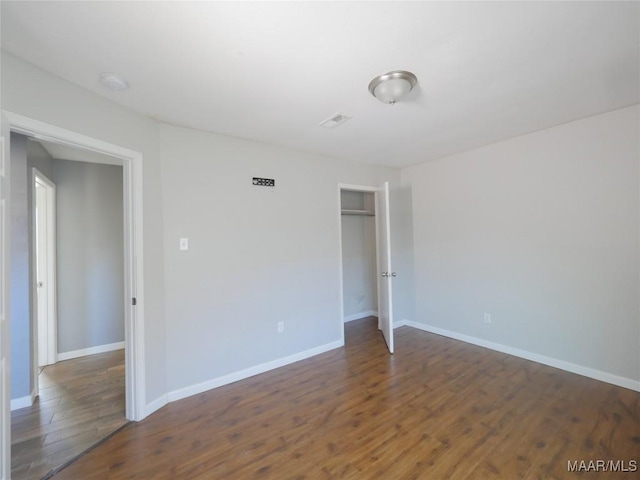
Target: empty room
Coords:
[(355, 240)]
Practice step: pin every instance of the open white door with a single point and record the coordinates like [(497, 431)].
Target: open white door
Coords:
[(385, 301), (5, 405), (44, 243)]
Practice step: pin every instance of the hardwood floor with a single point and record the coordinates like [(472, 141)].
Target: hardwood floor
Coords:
[(437, 409), (81, 401)]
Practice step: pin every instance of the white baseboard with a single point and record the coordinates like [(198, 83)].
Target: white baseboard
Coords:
[(358, 316), (156, 405), (21, 402), (110, 347), (249, 372), (552, 362), (265, 367)]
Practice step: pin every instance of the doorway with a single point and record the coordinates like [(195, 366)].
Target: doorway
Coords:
[(359, 265), (131, 163), (78, 391), (365, 255)]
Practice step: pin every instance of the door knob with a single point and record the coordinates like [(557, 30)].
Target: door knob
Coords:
[(385, 274), (394, 274)]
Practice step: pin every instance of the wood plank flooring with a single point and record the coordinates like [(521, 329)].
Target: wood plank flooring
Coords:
[(437, 409), (81, 401)]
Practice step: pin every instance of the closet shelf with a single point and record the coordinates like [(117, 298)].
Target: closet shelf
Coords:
[(369, 213)]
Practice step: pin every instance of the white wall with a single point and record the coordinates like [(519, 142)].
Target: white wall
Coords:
[(90, 254), (359, 272), (257, 255), (32, 92), (542, 232)]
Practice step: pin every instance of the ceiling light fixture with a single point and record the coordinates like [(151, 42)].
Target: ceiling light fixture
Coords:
[(113, 82), (389, 87)]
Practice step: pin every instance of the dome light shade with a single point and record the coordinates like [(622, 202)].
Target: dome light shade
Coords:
[(391, 86), (113, 82)]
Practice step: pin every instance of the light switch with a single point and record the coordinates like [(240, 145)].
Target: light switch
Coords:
[(184, 244)]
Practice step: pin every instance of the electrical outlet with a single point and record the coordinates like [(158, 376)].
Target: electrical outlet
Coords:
[(280, 327), (487, 318)]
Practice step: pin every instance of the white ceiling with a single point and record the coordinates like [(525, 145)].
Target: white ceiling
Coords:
[(271, 71)]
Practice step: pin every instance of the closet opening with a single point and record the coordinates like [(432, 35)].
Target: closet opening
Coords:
[(359, 271), (365, 263)]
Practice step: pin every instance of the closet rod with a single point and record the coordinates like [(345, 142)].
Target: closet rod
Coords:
[(369, 213)]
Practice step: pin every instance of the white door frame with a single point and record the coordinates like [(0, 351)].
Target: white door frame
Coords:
[(5, 360), (133, 249), (356, 188), (45, 340)]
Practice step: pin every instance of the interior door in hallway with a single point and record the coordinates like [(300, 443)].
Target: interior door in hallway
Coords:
[(45, 270)]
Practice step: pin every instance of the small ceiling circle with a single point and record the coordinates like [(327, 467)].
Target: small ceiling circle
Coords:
[(113, 82), (391, 86)]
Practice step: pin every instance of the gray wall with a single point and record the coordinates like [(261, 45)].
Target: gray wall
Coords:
[(403, 259), (184, 189), (25, 154), (257, 255), (359, 271), (542, 232), (460, 269), (38, 157), (90, 257), (32, 92), (20, 293)]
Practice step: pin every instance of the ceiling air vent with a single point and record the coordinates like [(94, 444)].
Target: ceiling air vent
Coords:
[(334, 120)]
